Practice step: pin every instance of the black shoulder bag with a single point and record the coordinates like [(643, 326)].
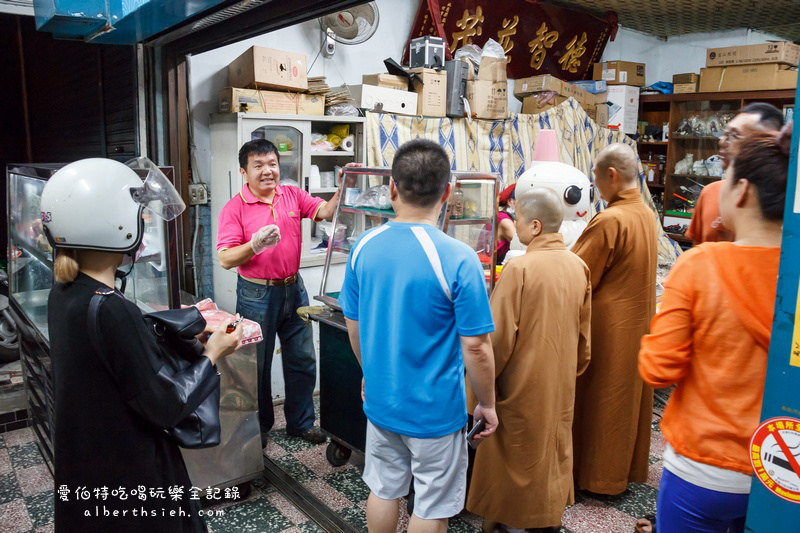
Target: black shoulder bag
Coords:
[(175, 331)]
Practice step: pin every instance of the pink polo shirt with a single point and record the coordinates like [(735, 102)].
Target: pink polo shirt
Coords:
[(244, 214)]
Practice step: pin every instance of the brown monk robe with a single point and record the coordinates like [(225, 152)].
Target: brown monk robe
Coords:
[(522, 477), (613, 406)]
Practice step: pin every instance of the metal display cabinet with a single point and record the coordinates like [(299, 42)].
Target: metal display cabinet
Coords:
[(473, 221), (152, 285), (292, 135)]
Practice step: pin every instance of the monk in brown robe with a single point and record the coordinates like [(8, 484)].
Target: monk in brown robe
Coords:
[(613, 406), (522, 478)]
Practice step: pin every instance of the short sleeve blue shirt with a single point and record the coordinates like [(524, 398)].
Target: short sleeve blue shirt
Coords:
[(414, 291)]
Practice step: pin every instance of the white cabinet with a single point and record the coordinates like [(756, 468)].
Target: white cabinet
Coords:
[(292, 135)]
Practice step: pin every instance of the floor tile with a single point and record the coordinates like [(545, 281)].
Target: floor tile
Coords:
[(349, 483), (294, 468), (40, 508), (9, 488), (639, 500), (25, 455), (5, 462), (49, 528), (291, 444), (273, 450), (595, 517), (287, 508), (34, 480), (14, 517), (457, 525), (331, 497), (314, 458), (654, 475), (18, 436), (2, 440), (262, 485), (258, 516), (310, 527), (356, 517)]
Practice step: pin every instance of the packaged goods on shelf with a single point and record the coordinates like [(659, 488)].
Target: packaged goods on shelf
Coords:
[(384, 100), (764, 77), (785, 53), (389, 81)]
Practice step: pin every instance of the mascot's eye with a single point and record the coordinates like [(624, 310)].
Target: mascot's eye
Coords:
[(572, 194)]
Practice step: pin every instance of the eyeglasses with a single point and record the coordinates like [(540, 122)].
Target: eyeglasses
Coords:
[(731, 135)]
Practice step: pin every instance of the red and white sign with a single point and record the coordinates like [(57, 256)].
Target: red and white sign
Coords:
[(775, 456)]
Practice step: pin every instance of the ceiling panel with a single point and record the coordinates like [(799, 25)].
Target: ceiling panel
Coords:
[(665, 18)]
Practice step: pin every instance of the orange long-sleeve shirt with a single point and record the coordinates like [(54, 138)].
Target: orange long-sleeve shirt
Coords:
[(711, 339)]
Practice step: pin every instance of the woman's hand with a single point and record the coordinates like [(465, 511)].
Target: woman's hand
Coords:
[(219, 344)]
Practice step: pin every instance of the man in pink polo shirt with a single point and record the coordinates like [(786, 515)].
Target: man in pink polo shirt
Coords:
[(259, 233)]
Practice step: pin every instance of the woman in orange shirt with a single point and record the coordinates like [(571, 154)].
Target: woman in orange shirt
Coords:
[(710, 339)]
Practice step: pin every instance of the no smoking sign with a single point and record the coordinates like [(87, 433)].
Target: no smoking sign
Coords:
[(775, 456)]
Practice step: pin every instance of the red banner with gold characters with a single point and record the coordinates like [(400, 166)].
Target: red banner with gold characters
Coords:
[(537, 38)]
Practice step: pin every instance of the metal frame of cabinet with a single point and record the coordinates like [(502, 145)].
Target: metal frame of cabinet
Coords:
[(228, 132)]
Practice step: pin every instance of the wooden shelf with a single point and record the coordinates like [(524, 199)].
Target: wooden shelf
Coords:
[(739, 95), (654, 143), (677, 137), (655, 185)]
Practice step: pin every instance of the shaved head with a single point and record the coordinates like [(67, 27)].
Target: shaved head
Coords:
[(621, 157), (542, 204)]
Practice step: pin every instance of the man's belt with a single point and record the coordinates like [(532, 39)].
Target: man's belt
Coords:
[(282, 282)]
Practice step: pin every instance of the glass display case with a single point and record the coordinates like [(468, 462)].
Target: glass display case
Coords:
[(470, 216)]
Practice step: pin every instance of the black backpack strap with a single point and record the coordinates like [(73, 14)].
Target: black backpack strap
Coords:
[(93, 324)]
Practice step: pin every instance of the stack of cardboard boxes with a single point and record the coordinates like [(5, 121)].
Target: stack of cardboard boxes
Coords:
[(624, 80), (755, 67), (540, 93), (259, 68)]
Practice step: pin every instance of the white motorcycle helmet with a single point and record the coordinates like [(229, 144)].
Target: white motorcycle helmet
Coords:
[(97, 203)]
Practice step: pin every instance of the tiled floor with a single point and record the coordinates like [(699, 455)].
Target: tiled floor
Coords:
[(26, 493)]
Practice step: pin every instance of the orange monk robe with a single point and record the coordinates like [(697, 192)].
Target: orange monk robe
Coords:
[(613, 406), (522, 476)]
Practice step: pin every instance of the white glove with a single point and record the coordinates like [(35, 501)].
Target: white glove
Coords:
[(266, 237)]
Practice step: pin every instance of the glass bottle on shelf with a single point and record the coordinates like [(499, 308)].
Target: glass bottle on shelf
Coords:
[(458, 202)]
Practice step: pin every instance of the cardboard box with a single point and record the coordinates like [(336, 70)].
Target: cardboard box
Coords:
[(623, 112), (537, 84), (383, 100), (620, 73), (587, 100), (591, 86), (492, 69), (233, 100), (786, 53), (688, 77), (488, 99), (431, 93), (390, 81), (282, 103), (763, 77), (681, 88), (426, 52), (533, 104), (262, 67)]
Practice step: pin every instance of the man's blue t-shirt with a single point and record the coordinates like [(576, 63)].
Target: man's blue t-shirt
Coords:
[(414, 291)]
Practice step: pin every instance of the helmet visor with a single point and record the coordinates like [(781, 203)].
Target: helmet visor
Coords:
[(157, 193)]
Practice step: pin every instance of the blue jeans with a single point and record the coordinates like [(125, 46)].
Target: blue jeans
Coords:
[(686, 508), (275, 309)]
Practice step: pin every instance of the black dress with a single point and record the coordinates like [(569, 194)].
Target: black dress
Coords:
[(109, 441)]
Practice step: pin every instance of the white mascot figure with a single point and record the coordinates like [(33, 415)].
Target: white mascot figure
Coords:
[(569, 183)]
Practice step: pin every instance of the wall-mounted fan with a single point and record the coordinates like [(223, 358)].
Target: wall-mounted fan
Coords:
[(350, 26)]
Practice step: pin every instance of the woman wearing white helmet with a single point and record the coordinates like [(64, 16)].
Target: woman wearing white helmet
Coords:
[(110, 408)]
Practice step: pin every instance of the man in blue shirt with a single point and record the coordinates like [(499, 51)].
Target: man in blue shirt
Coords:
[(417, 315)]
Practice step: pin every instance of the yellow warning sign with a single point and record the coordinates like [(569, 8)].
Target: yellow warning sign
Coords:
[(794, 358)]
